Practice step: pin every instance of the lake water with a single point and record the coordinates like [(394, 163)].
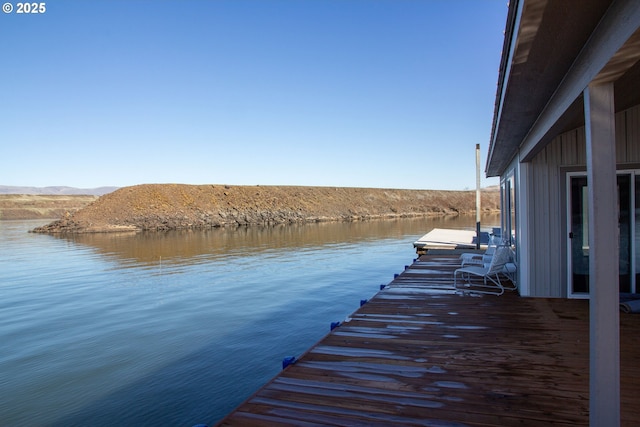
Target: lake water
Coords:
[(177, 328)]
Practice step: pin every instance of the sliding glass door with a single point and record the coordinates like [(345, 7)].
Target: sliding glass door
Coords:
[(628, 207), (578, 237)]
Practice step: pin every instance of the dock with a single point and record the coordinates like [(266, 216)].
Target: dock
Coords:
[(447, 238), (420, 354)]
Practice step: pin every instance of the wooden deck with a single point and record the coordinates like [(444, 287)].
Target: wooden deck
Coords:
[(419, 354)]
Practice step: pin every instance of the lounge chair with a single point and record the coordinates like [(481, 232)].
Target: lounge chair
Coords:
[(490, 274), (474, 258), (511, 267)]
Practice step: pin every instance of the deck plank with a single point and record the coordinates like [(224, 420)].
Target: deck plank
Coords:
[(419, 353)]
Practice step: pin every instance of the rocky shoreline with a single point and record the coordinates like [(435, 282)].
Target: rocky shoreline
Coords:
[(160, 207)]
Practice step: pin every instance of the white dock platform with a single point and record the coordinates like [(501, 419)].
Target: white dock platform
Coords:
[(445, 238)]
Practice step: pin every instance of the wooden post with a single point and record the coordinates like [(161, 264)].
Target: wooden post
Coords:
[(478, 196), (604, 317)]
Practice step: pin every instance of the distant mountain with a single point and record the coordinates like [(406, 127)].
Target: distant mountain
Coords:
[(57, 190)]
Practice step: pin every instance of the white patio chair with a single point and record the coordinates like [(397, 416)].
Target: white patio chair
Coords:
[(511, 268), (481, 259), (490, 274)]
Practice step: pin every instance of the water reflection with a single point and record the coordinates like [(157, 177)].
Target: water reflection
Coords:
[(191, 245), (101, 336)]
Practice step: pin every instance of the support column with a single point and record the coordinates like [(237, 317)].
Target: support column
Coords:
[(604, 320)]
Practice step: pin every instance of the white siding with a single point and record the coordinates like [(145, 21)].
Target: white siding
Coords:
[(547, 272)]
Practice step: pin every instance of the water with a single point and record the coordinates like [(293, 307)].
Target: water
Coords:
[(178, 328)]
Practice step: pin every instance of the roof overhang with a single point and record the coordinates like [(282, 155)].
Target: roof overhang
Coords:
[(552, 51)]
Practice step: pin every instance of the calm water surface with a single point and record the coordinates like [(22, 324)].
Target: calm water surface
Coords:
[(178, 328)]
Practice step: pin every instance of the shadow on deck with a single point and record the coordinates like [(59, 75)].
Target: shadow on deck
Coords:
[(420, 354)]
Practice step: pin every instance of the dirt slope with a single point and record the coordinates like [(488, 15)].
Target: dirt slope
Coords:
[(30, 206), (180, 206)]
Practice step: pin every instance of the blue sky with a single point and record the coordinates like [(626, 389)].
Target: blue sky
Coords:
[(355, 93)]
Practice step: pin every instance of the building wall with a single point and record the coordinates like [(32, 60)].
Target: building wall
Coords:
[(545, 189)]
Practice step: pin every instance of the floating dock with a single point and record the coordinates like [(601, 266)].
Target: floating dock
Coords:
[(420, 354), (446, 238)]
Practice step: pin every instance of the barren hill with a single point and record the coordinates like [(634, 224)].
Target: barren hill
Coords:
[(40, 206), (179, 206)]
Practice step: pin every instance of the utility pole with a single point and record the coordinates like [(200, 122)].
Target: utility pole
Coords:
[(477, 196)]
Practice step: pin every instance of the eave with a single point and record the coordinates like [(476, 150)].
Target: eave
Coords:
[(554, 50)]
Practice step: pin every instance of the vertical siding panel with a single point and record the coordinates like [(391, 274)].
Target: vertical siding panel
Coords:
[(569, 156), (570, 143), (565, 147), (549, 240), (555, 218), (621, 138), (535, 284), (581, 151), (570, 148), (533, 230), (548, 272), (543, 224), (632, 133), (548, 221), (527, 256)]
